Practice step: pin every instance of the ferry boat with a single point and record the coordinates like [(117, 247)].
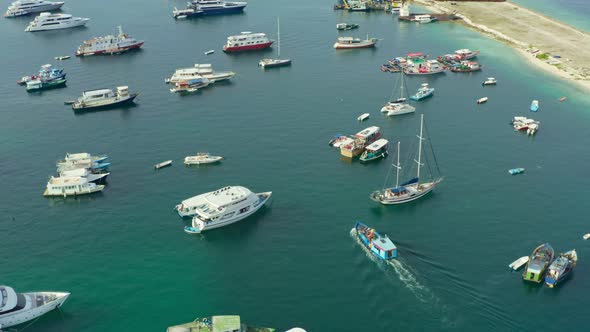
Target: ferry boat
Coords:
[(375, 150), (204, 70), (538, 263), (361, 140), (346, 26), (191, 85), (109, 44), (47, 21), (561, 268), (103, 98), (466, 54), (379, 245), (46, 73), (247, 41), (424, 92), (18, 308), (209, 7), (217, 324), (70, 186), (39, 84), (202, 158), (26, 7), (344, 43), (465, 67)]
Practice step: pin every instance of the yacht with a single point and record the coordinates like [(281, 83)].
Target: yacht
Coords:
[(247, 41), (199, 70), (349, 42), (26, 7), (109, 44), (202, 158), (221, 207), (71, 186), (18, 308), (209, 7), (103, 98), (48, 21)]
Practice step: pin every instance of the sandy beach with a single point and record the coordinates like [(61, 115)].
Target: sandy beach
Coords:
[(551, 45)]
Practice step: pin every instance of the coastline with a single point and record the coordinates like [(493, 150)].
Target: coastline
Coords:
[(520, 28)]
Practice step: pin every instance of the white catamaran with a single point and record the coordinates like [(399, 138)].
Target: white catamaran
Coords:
[(400, 105), (412, 189)]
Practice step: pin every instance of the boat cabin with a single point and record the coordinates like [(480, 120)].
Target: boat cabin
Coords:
[(96, 94), (384, 248), (369, 135)]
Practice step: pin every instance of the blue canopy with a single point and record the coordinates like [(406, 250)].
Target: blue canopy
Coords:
[(412, 181), (398, 190)]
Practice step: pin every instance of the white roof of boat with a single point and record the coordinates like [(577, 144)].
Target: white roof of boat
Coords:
[(79, 155), (378, 144), (8, 297), (463, 50), (67, 180), (218, 197), (367, 132), (186, 70), (96, 92), (384, 243)]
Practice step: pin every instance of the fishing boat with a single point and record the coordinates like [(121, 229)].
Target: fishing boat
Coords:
[(217, 324), (482, 100), (46, 73), (104, 98), (375, 150), (191, 85), (534, 105), (38, 84), (466, 54), (489, 81), (380, 245), (515, 171), (400, 105), (70, 186), (340, 140), (26, 7), (198, 71), (202, 158), (424, 92), (517, 264), (277, 62), (521, 123), (561, 268), (18, 308), (412, 189), (346, 26), (344, 43), (360, 141), (363, 117), (538, 263), (465, 67), (423, 18), (109, 44), (247, 41), (62, 57), (163, 164)]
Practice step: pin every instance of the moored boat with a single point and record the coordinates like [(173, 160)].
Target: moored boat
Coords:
[(277, 62), (202, 158), (361, 140), (18, 308), (199, 70), (465, 67), (47, 21), (416, 64), (424, 92), (62, 57), (351, 43), (379, 245), (46, 73), (363, 117), (538, 263), (375, 150), (109, 44), (97, 178), (38, 84), (197, 8), (534, 105), (400, 105), (217, 324), (191, 85), (515, 171), (425, 18), (466, 54), (247, 41), (561, 268), (586, 236), (482, 100), (163, 164), (104, 98), (517, 264), (346, 26), (209, 52)]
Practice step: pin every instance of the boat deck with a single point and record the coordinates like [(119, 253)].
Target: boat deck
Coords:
[(439, 17)]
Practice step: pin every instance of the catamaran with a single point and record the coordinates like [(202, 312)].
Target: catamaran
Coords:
[(412, 189), (278, 62), (399, 105)]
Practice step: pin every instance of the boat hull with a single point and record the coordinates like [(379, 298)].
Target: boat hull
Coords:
[(233, 9), (409, 72), (83, 108), (247, 47), (110, 51), (20, 317), (275, 64), (80, 23), (339, 46), (47, 85), (96, 189)]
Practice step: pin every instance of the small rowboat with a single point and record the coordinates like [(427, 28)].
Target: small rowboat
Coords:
[(163, 164), (191, 230), (586, 236), (515, 171), (209, 52), (482, 100), (363, 117), (517, 264), (62, 57), (562, 98)]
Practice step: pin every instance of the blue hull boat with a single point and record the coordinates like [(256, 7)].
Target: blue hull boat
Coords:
[(229, 8), (561, 268), (535, 106), (380, 246), (423, 92)]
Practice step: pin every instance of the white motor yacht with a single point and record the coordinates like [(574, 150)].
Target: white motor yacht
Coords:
[(200, 70), (47, 21), (26, 7), (202, 158), (17, 308), (71, 186)]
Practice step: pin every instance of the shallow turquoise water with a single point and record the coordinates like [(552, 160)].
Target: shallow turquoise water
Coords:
[(128, 264), (573, 12)]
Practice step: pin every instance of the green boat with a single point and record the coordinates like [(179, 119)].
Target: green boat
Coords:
[(38, 85), (217, 324), (538, 263)]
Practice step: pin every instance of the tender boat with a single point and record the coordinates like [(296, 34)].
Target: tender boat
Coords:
[(400, 105), (363, 117), (82, 157), (104, 98), (18, 308), (350, 43), (424, 92), (482, 100), (70, 186), (278, 62), (489, 81), (191, 85), (209, 52), (466, 54), (62, 57), (515, 171), (561, 268), (534, 105), (197, 8), (538, 263), (361, 140), (163, 164), (375, 150), (412, 189), (379, 245), (517, 264), (202, 158), (217, 324), (109, 44), (346, 26), (39, 84), (47, 21), (26, 7), (247, 41), (198, 71)]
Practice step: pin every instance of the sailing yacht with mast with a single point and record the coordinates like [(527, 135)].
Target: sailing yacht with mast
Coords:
[(400, 105), (278, 62), (412, 189)]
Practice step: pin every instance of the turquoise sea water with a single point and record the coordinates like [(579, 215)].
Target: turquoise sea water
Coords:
[(573, 12), (129, 265)]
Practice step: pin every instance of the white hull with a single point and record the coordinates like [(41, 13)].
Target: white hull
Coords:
[(202, 226), (414, 195), (518, 263), (80, 22), (201, 161), (44, 8), (25, 315), (398, 109)]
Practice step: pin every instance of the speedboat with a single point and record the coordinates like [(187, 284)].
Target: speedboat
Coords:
[(561, 268), (47, 21), (163, 164), (538, 263), (18, 308), (346, 26), (351, 43), (26, 7), (424, 92), (379, 245), (534, 105), (363, 117), (202, 158), (482, 100)]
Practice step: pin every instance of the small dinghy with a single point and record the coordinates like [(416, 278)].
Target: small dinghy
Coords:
[(515, 171), (517, 264), (62, 57), (363, 117), (163, 164), (482, 100), (191, 230), (209, 52), (586, 236)]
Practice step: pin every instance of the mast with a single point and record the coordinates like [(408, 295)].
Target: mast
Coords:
[(398, 167), (279, 38), (402, 85), (420, 138)]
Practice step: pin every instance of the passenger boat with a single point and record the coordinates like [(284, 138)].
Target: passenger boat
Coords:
[(217, 324), (363, 117), (199, 70), (424, 92), (465, 67), (104, 98), (515, 171), (191, 85), (375, 150), (561, 268), (26, 7), (109, 44), (466, 54), (202, 158), (97, 178), (412, 189), (379, 245), (70, 186), (517, 264), (277, 62), (350, 43), (489, 81), (62, 57), (361, 140), (247, 41), (46, 73), (346, 26), (423, 18), (83, 156), (538, 263), (18, 308), (534, 105), (47, 21), (83, 160), (400, 105), (198, 8), (38, 84), (163, 164), (482, 100), (521, 123)]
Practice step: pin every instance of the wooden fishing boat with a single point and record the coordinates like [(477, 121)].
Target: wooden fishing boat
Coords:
[(561, 268), (538, 263), (375, 150), (379, 245)]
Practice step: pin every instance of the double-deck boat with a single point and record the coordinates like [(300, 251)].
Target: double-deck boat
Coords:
[(83, 160), (489, 81), (375, 150), (46, 73), (538, 263), (47, 21), (203, 70), (202, 158), (466, 54), (26, 7), (379, 245), (424, 92), (18, 308), (346, 26), (109, 44), (103, 98), (247, 41), (561, 268), (218, 324), (191, 85), (344, 43), (361, 140), (71, 186), (465, 67), (197, 8)]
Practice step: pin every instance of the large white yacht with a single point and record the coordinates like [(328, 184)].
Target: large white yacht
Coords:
[(71, 186), (221, 207), (48, 21), (26, 7), (197, 71), (17, 308)]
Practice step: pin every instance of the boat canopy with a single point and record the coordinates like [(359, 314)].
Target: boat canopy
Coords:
[(226, 323), (384, 243), (398, 190), (377, 145), (412, 181), (96, 93), (367, 132), (345, 39)]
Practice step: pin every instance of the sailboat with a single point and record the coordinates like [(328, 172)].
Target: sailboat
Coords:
[(400, 105), (412, 189), (278, 62)]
